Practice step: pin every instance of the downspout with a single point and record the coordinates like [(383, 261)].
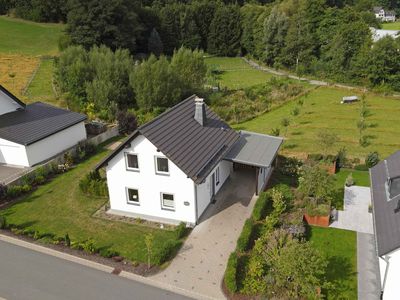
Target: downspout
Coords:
[(386, 260), (196, 213)]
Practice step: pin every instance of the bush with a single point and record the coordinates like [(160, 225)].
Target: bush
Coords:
[(180, 230), (341, 157), (3, 191), (3, 222), (286, 192), (89, 246), (15, 191), (289, 166), (92, 184), (261, 207), (349, 180), (372, 159), (165, 252), (244, 240), (67, 240), (127, 122), (275, 131), (108, 253), (230, 273)]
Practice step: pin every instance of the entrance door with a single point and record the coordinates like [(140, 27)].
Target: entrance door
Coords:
[(212, 186)]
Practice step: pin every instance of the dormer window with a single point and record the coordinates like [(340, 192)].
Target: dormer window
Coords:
[(393, 187)]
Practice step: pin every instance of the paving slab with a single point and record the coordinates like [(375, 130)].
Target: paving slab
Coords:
[(355, 215), (8, 173), (200, 264), (368, 268)]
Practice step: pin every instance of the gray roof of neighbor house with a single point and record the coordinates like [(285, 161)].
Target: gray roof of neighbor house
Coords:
[(36, 122), (385, 210), (194, 148), (255, 149)]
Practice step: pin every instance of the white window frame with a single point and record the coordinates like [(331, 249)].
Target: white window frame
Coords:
[(156, 165), (217, 176), (126, 161), (162, 201), (127, 196)]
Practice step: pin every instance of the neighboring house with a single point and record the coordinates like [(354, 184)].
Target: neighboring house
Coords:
[(170, 169), (378, 34), (33, 133), (385, 193), (384, 15)]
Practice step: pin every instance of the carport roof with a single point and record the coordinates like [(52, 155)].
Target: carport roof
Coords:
[(254, 149)]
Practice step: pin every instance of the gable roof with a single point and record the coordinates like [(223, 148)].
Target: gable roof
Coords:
[(386, 217), (11, 96), (194, 148), (36, 122)]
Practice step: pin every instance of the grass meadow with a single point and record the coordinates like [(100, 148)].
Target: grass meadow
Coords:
[(391, 26)]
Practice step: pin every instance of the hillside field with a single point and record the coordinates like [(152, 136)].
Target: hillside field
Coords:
[(391, 26)]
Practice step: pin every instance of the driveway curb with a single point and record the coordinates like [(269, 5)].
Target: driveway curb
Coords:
[(101, 267)]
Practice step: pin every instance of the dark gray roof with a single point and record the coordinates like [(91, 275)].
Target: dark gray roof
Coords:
[(195, 149), (36, 122), (386, 219), (255, 149)]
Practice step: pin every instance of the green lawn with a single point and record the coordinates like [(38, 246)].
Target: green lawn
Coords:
[(322, 111), (340, 249), (59, 207), (28, 38), (360, 178), (41, 88), (235, 73), (391, 26)]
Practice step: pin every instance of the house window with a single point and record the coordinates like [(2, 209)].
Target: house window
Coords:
[(217, 176), (167, 201), (132, 161), (133, 196), (162, 165)]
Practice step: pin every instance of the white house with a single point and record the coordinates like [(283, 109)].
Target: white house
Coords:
[(170, 169), (378, 34), (384, 15), (385, 193), (33, 133)]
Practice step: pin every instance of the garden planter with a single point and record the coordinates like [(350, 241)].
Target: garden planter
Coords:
[(330, 167), (322, 221)]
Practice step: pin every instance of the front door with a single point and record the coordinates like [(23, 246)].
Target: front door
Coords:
[(212, 186)]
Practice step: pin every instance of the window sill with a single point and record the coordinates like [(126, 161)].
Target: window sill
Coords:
[(133, 203)]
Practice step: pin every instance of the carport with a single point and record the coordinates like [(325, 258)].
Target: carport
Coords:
[(255, 151)]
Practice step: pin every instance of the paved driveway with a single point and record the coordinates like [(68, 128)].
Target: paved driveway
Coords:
[(9, 173), (200, 264), (355, 215)]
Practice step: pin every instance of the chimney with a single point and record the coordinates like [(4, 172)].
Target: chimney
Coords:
[(200, 111)]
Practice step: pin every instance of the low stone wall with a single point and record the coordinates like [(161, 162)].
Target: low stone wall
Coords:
[(102, 137)]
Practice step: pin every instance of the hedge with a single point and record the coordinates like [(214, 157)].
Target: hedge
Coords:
[(261, 207), (165, 252), (244, 239), (230, 273)]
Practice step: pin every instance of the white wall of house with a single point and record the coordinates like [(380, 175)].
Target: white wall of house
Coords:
[(150, 185), (392, 288), (204, 191), (13, 154), (263, 176), (55, 144), (7, 104)]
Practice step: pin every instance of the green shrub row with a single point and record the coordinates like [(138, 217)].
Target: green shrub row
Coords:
[(230, 277), (261, 206), (181, 230), (165, 252), (245, 238)]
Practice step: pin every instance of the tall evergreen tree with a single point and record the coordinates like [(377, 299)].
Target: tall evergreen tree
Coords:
[(154, 43)]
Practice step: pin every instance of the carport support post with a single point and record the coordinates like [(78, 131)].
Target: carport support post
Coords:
[(257, 171)]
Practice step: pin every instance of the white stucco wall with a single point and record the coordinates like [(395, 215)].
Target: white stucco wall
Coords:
[(7, 104), (392, 287), (204, 190), (150, 185), (13, 154), (55, 144)]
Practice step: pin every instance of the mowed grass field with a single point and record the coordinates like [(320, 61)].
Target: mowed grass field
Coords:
[(391, 26), (22, 46), (322, 111), (234, 73)]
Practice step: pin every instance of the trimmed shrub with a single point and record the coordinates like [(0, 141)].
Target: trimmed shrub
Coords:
[(244, 240), (3, 222), (372, 159), (230, 273), (165, 252), (261, 207), (180, 230)]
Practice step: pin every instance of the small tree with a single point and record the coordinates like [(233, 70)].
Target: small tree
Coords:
[(285, 122), (275, 131), (148, 239), (326, 140), (372, 159), (127, 122)]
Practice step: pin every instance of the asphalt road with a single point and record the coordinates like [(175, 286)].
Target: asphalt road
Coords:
[(27, 274)]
